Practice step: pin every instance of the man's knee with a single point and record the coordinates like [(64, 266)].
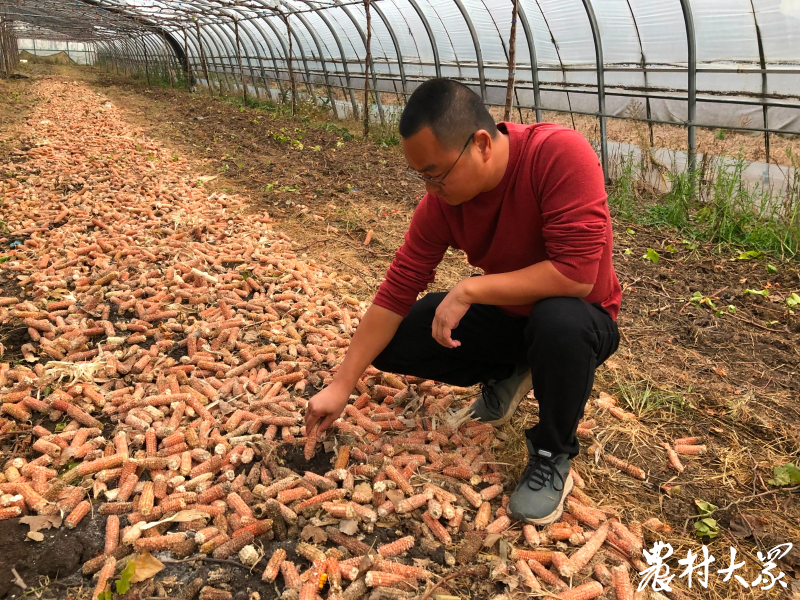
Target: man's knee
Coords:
[(426, 306), (413, 333), (557, 320)]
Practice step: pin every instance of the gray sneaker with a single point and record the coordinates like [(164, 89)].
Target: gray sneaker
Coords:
[(545, 484), (499, 399)]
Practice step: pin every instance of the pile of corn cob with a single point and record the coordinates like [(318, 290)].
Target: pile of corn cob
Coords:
[(175, 339)]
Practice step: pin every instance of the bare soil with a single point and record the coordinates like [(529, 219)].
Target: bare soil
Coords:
[(49, 562)]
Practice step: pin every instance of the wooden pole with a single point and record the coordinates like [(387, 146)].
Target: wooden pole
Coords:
[(291, 69), (167, 61), (367, 61), (146, 67), (239, 56), (3, 57), (3, 49), (512, 61), (188, 67), (203, 60)]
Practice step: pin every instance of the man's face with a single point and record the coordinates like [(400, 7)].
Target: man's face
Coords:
[(451, 174)]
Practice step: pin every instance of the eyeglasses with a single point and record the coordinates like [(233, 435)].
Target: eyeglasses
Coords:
[(440, 181)]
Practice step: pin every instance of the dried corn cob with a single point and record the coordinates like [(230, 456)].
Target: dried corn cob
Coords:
[(625, 467), (582, 557), (499, 525), (397, 547), (548, 577), (112, 534), (690, 449), (105, 574), (291, 577), (77, 514), (437, 529), (273, 566), (587, 591), (527, 577), (532, 537), (472, 496), (233, 545)]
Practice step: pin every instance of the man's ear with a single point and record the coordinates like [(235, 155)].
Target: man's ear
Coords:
[(485, 143)]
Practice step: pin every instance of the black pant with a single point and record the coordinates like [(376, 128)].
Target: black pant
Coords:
[(563, 341)]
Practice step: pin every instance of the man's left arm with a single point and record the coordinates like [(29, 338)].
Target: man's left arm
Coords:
[(525, 286)]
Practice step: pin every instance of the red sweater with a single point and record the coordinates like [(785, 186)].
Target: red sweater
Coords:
[(550, 204)]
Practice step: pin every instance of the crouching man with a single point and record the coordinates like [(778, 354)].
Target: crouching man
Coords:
[(527, 204)]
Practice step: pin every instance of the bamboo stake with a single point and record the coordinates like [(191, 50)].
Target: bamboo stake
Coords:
[(366, 69), (167, 61), (203, 60), (146, 67), (187, 65), (291, 68), (512, 61), (239, 57)]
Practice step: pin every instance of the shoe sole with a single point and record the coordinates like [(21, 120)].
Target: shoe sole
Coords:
[(524, 387), (556, 514)]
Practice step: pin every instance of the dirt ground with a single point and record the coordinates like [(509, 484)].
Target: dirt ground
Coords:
[(729, 376), (717, 142)]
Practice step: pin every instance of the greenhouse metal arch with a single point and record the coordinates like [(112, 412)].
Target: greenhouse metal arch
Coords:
[(693, 63)]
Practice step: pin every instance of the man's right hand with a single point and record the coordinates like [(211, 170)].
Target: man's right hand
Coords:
[(324, 408), (374, 332)]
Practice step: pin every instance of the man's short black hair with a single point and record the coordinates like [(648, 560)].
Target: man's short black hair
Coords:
[(450, 109)]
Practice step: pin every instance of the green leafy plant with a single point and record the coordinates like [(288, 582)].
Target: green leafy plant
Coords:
[(706, 526), (793, 300), (788, 474), (123, 584), (699, 299), (4, 258), (749, 255), (764, 292), (730, 309), (652, 256)]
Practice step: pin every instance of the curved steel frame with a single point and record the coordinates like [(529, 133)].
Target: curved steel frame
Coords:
[(345, 68), (601, 85), (477, 44), (688, 20), (644, 68), (764, 87), (377, 8), (134, 41), (434, 47), (537, 99), (317, 42)]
